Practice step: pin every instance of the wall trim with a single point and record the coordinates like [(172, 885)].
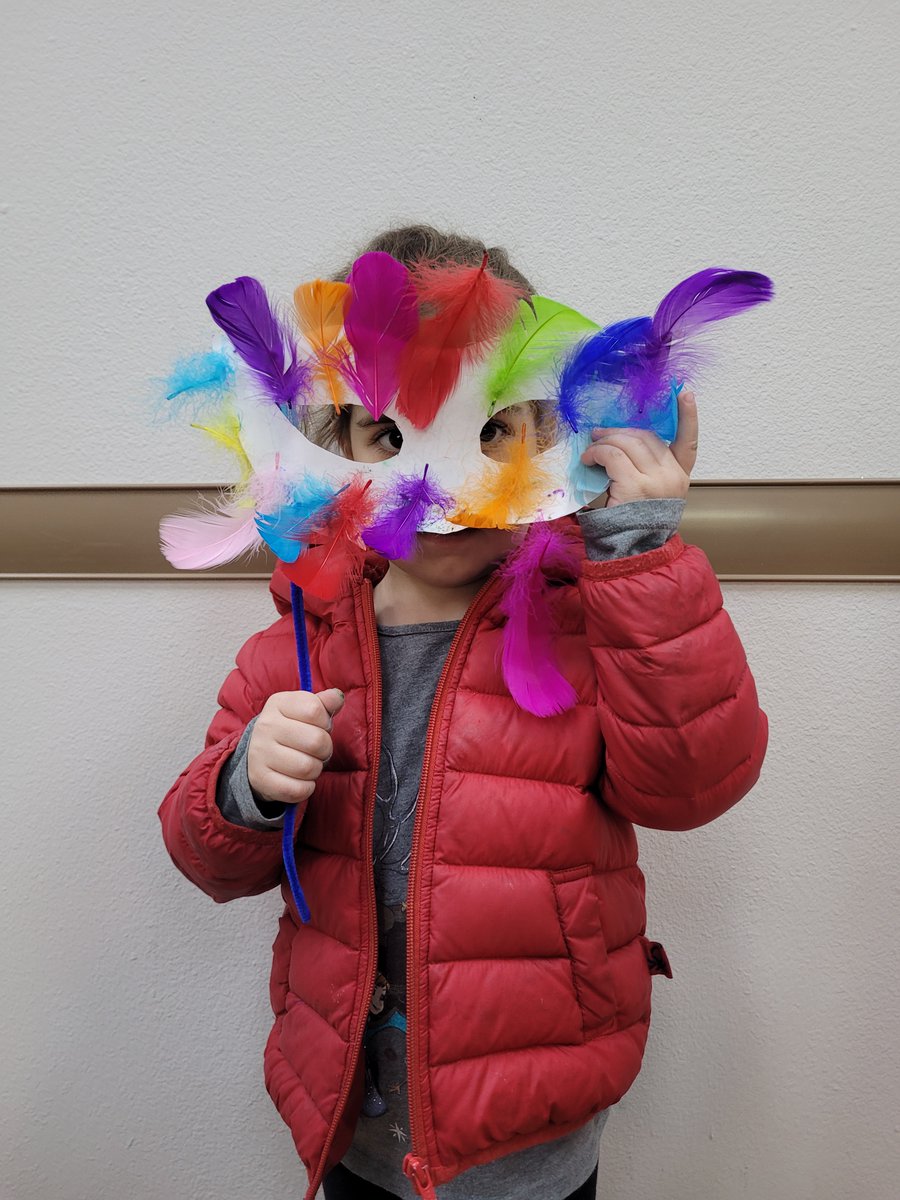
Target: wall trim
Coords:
[(807, 530)]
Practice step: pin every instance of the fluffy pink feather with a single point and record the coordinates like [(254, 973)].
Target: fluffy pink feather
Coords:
[(528, 656), (195, 541)]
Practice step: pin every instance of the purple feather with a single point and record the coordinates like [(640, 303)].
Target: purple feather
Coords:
[(671, 348), (380, 316), (528, 657), (600, 358), (242, 310), (403, 510)]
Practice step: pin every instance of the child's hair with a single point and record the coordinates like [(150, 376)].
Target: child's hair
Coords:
[(411, 244)]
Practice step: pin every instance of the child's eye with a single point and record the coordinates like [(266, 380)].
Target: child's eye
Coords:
[(389, 440), (494, 431)]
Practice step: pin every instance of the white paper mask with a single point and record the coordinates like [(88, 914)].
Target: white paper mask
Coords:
[(439, 352)]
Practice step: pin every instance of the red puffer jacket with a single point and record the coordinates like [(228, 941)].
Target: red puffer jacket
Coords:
[(529, 972)]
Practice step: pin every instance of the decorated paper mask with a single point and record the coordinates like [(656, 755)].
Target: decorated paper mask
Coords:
[(443, 351), (440, 350)]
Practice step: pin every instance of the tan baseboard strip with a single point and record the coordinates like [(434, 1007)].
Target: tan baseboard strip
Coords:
[(808, 530)]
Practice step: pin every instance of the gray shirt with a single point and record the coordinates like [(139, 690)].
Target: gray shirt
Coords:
[(412, 657)]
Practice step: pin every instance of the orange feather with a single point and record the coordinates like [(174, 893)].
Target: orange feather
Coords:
[(494, 500), (320, 314)]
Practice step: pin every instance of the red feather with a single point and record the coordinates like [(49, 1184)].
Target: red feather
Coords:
[(471, 307), (335, 550)]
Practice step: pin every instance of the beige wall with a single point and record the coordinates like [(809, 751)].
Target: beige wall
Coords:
[(163, 149)]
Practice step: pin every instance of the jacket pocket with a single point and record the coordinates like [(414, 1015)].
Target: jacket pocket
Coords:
[(580, 920), (657, 959)]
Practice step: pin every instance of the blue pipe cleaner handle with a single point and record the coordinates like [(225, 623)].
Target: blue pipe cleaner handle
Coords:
[(290, 817)]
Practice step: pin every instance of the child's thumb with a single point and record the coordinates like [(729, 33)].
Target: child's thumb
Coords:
[(333, 699)]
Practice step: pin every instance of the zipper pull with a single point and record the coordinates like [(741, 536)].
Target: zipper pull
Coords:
[(417, 1170)]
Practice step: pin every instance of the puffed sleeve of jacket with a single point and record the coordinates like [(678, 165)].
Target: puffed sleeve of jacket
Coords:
[(224, 860), (684, 734)]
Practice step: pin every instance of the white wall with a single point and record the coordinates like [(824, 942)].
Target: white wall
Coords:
[(614, 149)]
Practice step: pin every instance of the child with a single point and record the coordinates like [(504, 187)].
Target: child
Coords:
[(472, 868)]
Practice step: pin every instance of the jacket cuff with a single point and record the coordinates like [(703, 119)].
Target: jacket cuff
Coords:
[(629, 529), (236, 800), (634, 564)]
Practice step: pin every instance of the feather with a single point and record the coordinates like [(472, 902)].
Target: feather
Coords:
[(195, 541), (380, 316), (471, 307), (402, 511), (529, 664), (227, 432), (335, 550), (529, 347), (199, 380), (593, 364), (501, 494), (241, 310), (320, 314), (285, 529), (671, 348)]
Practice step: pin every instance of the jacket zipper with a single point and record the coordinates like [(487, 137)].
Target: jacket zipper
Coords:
[(368, 611), (415, 1164)]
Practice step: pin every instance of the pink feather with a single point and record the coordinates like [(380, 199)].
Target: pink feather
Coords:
[(195, 541), (381, 314), (528, 656)]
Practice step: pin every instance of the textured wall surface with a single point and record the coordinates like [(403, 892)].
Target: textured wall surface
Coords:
[(160, 149), (163, 149)]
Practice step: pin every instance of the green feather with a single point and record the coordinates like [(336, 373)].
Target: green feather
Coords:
[(530, 346)]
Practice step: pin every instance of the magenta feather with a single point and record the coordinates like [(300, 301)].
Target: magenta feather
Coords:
[(528, 656), (242, 310), (195, 541), (402, 510), (671, 349), (381, 314)]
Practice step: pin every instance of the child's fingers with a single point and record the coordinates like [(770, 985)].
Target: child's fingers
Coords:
[(295, 764), (687, 438), (643, 446), (283, 789), (301, 737), (617, 463), (308, 707), (333, 699)]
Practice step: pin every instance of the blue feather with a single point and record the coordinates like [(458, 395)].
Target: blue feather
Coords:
[(195, 382), (598, 360), (283, 530), (615, 410)]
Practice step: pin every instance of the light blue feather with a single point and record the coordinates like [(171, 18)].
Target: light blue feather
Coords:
[(196, 382), (283, 530)]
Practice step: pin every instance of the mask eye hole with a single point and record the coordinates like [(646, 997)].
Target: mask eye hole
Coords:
[(502, 431), (352, 433)]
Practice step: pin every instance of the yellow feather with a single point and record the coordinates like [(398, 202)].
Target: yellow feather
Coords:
[(227, 432), (516, 489), (320, 315)]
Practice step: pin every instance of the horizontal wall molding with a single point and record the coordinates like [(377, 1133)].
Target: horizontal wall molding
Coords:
[(774, 529)]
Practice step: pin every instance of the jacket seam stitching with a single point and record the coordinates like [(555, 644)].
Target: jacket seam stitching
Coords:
[(682, 724), (690, 795), (661, 641)]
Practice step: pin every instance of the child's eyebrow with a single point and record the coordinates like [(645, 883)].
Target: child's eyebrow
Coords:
[(367, 422)]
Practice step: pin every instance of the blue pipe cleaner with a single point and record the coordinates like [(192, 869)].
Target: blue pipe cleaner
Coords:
[(290, 817)]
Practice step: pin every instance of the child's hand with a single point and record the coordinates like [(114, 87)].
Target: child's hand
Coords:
[(291, 743), (640, 465)]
